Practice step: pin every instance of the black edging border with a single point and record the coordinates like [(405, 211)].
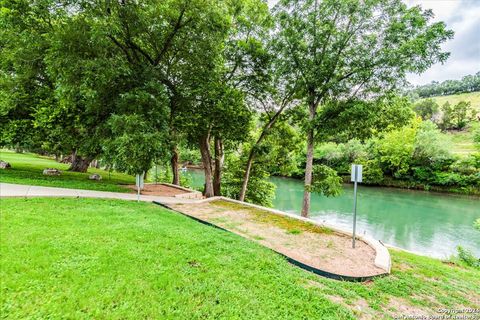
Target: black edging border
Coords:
[(297, 263)]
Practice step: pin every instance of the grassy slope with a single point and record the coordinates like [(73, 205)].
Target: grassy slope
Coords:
[(86, 258), (462, 142), (27, 168), (473, 97)]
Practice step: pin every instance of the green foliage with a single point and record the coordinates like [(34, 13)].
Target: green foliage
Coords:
[(326, 181), (417, 155), (395, 150), (430, 145), (341, 121), (469, 83), (468, 258), (372, 171), (281, 151), (476, 138), (476, 224), (260, 190), (426, 109), (136, 145), (457, 116)]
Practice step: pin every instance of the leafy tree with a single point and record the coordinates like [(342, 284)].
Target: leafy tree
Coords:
[(89, 79), (395, 150), (220, 115), (261, 190), (457, 116), (341, 50), (24, 81), (136, 146), (469, 83), (426, 109), (462, 114), (326, 181), (178, 41), (447, 116)]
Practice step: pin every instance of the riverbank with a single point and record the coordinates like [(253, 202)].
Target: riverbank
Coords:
[(410, 185), (92, 258)]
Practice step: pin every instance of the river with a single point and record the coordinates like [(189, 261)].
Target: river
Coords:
[(429, 223)]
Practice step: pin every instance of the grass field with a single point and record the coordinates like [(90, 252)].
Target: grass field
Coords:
[(27, 168), (110, 259), (473, 97), (462, 141)]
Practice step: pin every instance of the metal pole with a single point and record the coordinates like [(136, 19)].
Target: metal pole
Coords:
[(137, 178), (354, 209)]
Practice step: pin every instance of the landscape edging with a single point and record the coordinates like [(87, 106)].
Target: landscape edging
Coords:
[(291, 260), (382, 256)]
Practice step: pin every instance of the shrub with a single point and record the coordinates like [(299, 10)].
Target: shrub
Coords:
[(429, 145), (426, 109), (372, 173), (467, 257)]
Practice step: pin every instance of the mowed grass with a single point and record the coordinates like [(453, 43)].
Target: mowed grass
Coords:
[(111, 259), (27, 168)]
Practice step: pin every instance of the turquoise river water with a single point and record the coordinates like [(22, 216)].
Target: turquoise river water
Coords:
[(429, 223)]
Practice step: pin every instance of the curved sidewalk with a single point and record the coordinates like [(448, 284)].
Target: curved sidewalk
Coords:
[(28, 191)]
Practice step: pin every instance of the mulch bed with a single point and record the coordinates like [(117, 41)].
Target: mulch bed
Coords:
[(316, 246), (158, 190)]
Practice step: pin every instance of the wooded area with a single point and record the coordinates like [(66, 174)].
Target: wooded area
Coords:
[(137, 83)]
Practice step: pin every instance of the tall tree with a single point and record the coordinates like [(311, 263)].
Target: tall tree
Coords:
[(24, 81), (345, 49), (177, 41)]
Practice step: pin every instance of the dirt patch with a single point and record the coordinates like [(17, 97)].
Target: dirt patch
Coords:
[(158, 190), (316, 246), (399, 307)]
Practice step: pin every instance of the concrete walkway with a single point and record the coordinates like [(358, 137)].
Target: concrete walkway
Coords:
[(20, 190)]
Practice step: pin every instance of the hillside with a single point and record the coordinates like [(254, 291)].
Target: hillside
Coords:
[(473, 97), (461, 141)]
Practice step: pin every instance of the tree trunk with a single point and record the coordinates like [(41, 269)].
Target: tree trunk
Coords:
[(79, 164), (204, 144), (174, 165), (251, 156), (219, 158), (309, 165), (246, 175)]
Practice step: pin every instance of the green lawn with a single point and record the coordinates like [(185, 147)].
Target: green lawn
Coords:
[(110, 259), (27, 168)]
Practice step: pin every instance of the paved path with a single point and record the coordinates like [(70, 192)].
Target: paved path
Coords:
[(20, 190)]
